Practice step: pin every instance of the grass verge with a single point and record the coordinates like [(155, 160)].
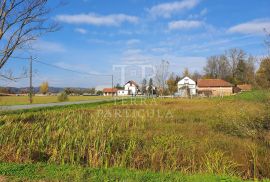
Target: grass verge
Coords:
[(40, 171), (71, 106)]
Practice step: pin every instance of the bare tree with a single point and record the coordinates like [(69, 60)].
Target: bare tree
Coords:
[(234, 56), (217, 67), (144, 85), (223, 67), (196, 75), (161, 75), (172, 83), (250, 65), (21, 22), (186, 73), (211, 67)]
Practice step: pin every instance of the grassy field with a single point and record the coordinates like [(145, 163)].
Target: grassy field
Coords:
[(18, 100), (44, 172), (212, 137)]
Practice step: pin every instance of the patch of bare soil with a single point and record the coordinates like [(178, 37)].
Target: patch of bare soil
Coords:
[(3, 179)]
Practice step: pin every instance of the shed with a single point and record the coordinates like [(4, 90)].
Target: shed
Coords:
[(218, 87), (109, 91)]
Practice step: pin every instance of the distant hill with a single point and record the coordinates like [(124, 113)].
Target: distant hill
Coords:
[(16, 90)]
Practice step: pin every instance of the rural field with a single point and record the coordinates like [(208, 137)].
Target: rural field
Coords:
[(19, 100), (140, 140)]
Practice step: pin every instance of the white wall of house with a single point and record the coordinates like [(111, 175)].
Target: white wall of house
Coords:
[(122, 92), (109, 93), (132, 89), (184, 84)]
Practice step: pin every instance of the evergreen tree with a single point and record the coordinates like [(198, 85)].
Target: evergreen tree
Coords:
[(241, 72), (144, 84), (150, 86)]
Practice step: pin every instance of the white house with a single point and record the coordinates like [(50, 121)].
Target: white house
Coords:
[(122, 92), (130, 88), (186, 87)]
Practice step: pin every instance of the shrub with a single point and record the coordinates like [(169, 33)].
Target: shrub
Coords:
[(62, 97), (99, 92)]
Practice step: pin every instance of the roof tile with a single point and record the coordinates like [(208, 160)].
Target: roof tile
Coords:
[(110, 90), (213, 83)]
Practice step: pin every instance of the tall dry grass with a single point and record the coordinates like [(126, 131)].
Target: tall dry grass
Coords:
[(191, 136)]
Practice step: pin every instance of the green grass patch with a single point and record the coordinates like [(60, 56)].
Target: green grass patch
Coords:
[(255, 95), (35, 172), (63, 107), (22, 100)]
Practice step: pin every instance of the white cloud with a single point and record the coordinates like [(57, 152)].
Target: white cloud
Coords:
[(193, 63), (105, 42), (200, 15), (135, 56), (184, 24), (77, 67), (129, 52), (204, 12), (81, 30), (251, 27), (47, 46), (133, 41), (159, 49), (177, 63), (98, 20), (167, 9)]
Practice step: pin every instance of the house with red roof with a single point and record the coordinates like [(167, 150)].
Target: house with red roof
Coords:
[(242, 88), (214, 87), (109, 91)]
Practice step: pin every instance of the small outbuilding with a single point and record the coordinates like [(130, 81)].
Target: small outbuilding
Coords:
[(242, 88), (186, 87), (109, 91), (214, 87)]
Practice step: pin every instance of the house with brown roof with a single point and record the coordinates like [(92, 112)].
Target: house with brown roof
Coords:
[(109, 91), (214, 87), (243, 88)]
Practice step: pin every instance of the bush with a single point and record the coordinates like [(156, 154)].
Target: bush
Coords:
[(99, 92), (62, 97)]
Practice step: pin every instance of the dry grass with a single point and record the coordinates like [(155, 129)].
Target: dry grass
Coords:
[(191, 136)]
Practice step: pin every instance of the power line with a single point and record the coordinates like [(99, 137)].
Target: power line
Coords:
[(58, 67), (17, 57), (70, 70)]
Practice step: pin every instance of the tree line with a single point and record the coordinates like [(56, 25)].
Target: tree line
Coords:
[(237, 67), (234, 66)]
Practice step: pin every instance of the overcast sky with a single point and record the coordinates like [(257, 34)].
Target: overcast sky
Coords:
[(97, 35)]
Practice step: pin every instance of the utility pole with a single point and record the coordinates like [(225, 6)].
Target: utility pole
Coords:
[(112, 85), (30, 79)]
